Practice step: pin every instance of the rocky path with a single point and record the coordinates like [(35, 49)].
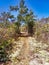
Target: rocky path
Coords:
[(31, 52)]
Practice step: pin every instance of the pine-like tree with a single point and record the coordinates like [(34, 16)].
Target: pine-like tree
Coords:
[(5, 18), (24, 16)]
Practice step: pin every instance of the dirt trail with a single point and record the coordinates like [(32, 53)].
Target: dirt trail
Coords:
[(31, 43), (27, 45), (25, 51)]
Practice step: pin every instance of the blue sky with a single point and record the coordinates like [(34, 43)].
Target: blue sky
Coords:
[(39, 7)]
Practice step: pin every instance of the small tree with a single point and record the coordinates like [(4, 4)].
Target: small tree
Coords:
[(29, 19), (22, 11), (24, 16), (5, 18)]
